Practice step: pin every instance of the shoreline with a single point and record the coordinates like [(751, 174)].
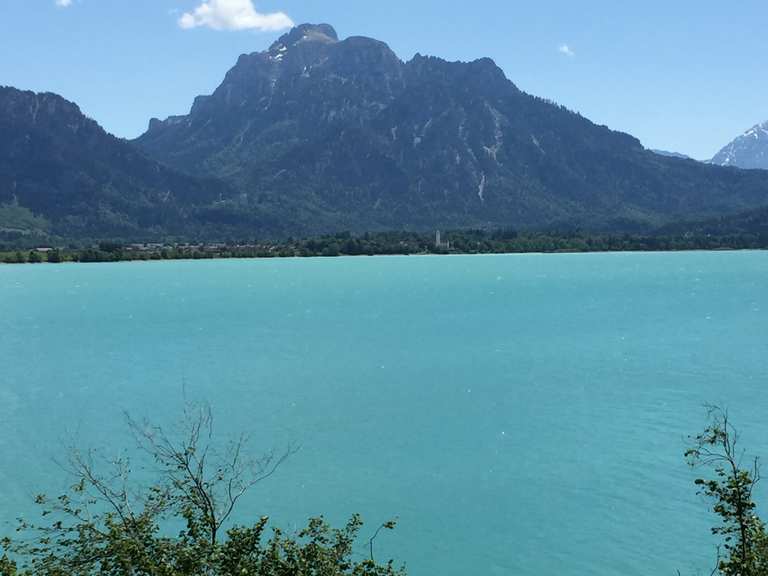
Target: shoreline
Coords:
[(210, 258), (466, 242)]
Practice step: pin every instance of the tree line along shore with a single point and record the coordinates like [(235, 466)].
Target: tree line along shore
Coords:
[(383, 243)]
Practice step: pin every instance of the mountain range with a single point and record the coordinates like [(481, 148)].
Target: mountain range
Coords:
[(318, 134)]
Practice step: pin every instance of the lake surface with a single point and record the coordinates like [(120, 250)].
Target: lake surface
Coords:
[(520, 414)]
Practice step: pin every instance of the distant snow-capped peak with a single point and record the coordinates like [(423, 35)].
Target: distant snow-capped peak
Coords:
[(750, 150)]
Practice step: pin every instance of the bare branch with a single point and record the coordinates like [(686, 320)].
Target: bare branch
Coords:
[(212, 482)]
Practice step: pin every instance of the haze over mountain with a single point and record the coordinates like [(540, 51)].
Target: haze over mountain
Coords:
[(750, 150), (318, 134)]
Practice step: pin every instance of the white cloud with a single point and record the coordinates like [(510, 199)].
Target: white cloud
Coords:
[(232, 15), (63, 3), (566, 50)]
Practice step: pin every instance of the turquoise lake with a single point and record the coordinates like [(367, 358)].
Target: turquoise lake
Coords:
[(520, 415)]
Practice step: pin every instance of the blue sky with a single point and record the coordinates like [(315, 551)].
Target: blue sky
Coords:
[(686, 75)]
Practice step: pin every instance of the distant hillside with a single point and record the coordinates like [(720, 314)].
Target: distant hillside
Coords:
[(750, 150), (325, 134), (61, 173), (671, 154)]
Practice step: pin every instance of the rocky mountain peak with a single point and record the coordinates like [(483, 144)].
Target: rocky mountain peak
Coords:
[(325, 134), (304, 33)]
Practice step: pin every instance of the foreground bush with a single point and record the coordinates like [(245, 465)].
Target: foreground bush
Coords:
[(108, 525), (730, 486)]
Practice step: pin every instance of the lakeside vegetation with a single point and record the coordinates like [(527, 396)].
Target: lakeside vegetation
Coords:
[(109, 525), (387, 243)]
